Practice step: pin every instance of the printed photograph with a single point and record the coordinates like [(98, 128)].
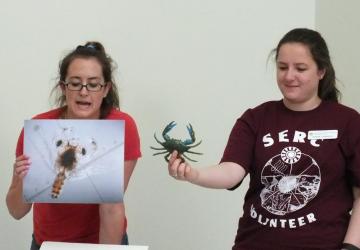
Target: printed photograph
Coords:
[(74, 161)]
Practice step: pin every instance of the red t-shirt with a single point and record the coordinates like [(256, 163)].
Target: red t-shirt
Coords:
[(76, 222), (302, 166)]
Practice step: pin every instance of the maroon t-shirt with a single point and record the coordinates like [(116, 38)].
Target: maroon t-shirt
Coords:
[(302, 166)]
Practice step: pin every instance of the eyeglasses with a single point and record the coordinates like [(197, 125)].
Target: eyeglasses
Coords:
[(90, 86)]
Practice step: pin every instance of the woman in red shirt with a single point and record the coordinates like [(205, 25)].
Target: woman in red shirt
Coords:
[(86, 91)]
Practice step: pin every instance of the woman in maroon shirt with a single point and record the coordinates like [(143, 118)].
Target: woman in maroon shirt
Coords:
[(302, 155)]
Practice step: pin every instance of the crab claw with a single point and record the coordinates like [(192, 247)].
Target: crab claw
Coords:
[(167, 129), (192, 135)]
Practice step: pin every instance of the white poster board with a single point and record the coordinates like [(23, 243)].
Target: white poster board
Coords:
[(74, 161), (48, 245)]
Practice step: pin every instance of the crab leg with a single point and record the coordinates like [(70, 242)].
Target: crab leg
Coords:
[(166, 157), (161, 153), (197, 144), (157, 148), (157, 139), (192, 152), (188, 158)]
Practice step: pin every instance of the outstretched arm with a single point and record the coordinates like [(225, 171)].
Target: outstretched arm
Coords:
[(352, 235), (221, 176)]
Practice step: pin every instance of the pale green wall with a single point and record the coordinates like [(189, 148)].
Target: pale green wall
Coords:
[(198, 61), (339, 22)]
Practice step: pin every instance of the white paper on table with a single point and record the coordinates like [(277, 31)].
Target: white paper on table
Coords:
[(49, 245), (98, 175)]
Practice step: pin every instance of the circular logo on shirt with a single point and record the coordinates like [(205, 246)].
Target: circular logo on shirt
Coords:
[(291, 180)]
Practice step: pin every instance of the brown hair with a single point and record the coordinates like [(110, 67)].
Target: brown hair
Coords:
[(320, 53), (91, 50)]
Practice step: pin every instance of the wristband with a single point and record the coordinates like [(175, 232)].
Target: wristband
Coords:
[(348, 246)]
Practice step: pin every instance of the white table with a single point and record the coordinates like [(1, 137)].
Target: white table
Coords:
[(49, 245)]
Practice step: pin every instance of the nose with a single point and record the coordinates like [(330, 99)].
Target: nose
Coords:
[(289, 75), (84, 90)]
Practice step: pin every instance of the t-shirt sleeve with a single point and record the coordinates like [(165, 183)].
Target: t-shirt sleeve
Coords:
[(132, 140), (20, 144), (240, 145), (351, 148)]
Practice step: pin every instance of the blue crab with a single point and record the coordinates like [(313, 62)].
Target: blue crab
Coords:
[(171, 144)]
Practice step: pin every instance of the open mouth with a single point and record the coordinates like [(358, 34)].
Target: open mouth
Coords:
[(83, 104)]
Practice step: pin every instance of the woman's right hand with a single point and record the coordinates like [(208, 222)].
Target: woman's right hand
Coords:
[(180, 169), (21, 166)]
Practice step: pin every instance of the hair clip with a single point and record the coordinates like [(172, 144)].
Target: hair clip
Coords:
[(90, 46), (86, 47)]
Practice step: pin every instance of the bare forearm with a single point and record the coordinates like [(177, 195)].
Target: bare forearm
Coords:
[(14, 200), (224, 175), (352, 235), (112, 220), (112, 216)]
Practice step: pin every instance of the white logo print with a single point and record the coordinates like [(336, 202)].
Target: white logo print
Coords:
[(291, 180)]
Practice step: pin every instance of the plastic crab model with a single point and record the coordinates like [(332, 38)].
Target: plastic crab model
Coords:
[(170, 144)]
